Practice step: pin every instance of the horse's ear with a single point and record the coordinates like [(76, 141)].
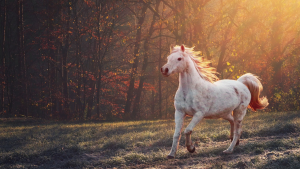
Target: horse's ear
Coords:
[(182, 48)]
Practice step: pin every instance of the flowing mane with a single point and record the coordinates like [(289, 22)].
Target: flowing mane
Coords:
[(205, 71)]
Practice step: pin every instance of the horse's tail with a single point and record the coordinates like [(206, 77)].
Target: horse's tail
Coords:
[(255, 87)]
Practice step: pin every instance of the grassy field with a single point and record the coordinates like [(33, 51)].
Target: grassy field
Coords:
[(269, 140)]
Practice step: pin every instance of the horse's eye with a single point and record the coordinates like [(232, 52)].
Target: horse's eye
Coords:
[(179, 59)]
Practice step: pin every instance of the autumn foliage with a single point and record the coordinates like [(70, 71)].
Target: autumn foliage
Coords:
[(95, 59)]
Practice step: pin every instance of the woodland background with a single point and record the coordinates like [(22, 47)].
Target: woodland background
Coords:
[(97, 59)]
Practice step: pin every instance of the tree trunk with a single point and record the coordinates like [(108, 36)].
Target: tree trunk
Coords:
[(159, 74), (182, 23), (65, 49), (225, 41), (24, 99), (145, 64), (10, 75), (78, 106), (99, 60), (276, 57), (3, 82), (52, 69), (90, 102), (133, 73)]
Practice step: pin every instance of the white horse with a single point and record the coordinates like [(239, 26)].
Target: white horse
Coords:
[(200, 95)]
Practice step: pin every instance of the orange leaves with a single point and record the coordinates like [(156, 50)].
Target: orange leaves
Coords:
[(149, 87), (48, 58), (89, 3), (90, 76)]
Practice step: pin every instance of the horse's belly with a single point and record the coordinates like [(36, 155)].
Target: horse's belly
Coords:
[(219, 111), (190, 111), (212, 117)]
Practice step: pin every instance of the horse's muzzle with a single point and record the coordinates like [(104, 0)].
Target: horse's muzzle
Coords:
[(164, 71)]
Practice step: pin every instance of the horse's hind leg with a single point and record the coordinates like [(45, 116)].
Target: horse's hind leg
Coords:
[(188, 131), (238, 116), (230, 118)]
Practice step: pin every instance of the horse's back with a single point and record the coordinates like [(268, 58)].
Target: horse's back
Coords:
[(229, 95), (235, 88), (232, 84)]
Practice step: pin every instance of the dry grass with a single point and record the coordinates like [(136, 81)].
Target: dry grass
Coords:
[(268, 140)]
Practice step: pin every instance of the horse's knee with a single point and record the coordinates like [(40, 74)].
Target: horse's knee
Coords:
[(188, 131)]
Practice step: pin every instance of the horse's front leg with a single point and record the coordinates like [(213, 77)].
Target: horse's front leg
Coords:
[(188, 131), (179, 118)]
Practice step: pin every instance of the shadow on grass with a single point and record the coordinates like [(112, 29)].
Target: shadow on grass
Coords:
[(273, 145), (278, 129), (11, 143), (258, 148), (61, 155), (164, 142), (249, 148), (22, 138), (69, 157), (292, 161), (114, 145)]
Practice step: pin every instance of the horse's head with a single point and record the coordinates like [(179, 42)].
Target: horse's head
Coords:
[(177, 61)]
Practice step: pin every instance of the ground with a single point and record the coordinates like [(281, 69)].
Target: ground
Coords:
[(269, 140)]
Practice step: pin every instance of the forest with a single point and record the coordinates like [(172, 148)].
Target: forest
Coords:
[(101, 60)]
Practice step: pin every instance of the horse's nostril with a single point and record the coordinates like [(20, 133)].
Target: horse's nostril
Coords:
[(167, 70)]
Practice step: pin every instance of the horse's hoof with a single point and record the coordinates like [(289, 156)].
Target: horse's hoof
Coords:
[(227, 152), (193, 150), (170, 157)]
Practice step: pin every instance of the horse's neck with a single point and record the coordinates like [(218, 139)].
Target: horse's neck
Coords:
[(190, 78)]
